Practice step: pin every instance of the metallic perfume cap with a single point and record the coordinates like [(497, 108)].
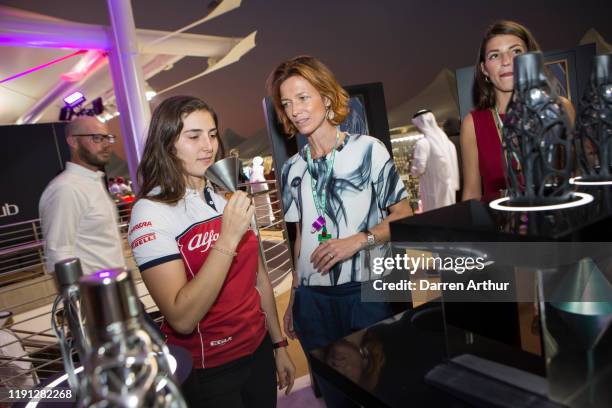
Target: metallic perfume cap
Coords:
[(602, 70), (224, 173), (68, 272), (529, 70), (108, 296)]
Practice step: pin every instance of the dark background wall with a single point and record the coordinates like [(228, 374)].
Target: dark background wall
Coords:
[(30, 157)]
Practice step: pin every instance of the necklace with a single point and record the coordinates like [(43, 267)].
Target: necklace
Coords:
[(319, 223), (498, 122)]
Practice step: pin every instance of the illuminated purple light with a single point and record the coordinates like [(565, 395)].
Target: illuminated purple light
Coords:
[(104, 274), (74, 99)]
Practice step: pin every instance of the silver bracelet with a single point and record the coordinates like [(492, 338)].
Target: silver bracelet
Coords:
[(224, 251)]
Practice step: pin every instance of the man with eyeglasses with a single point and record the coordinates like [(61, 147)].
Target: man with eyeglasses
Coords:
[(78, 216)]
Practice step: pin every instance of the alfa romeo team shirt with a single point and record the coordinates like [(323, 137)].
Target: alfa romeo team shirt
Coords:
[(235, 324)]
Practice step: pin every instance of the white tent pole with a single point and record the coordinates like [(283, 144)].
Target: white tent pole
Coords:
[(128, 83)]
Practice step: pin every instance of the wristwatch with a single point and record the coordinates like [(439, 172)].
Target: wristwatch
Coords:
[(371, 239)]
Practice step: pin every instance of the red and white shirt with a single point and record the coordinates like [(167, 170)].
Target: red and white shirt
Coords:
[(235, 324)]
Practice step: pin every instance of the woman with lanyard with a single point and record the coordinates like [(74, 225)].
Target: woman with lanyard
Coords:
[(481, 130), (201, 264), (341, 190)]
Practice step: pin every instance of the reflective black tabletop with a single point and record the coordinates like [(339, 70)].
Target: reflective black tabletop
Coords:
[(388, 363), (385, 365), (477, 221)]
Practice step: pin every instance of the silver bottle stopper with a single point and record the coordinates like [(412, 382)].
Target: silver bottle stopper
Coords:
[(109, 299), (128, 364), (68, 272)]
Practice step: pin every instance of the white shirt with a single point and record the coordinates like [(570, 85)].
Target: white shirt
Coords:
[(364, 183), (435, 164), (79, 219)]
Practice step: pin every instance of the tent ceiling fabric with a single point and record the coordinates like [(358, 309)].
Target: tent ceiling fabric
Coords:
[(256, 145), (19, 95), (601, 46), (440, 96)]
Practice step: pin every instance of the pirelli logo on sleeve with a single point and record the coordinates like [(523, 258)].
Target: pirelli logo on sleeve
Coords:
[(143, 239)]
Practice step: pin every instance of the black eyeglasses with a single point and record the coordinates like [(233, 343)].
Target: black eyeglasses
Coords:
[(99, 137)]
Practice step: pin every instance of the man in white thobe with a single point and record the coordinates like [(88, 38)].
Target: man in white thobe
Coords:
[(434, 163)]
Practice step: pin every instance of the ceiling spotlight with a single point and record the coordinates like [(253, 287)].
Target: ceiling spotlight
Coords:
[(74, 99), (73, 107)]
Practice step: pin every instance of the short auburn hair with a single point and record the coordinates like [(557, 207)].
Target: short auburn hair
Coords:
[(319, 76)]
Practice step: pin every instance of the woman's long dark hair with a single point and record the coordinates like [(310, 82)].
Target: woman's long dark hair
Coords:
[(484, 91), (160, 167)]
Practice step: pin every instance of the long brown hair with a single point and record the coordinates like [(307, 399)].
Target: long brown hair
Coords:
[(160, 167), (319, 76), (484, 91)]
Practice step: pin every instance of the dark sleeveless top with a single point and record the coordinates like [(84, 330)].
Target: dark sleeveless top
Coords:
[(490, 158)]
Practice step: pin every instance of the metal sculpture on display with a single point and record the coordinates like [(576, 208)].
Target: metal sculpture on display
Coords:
[(593, 136), (67, 323), (537, 141), (128, 365)]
